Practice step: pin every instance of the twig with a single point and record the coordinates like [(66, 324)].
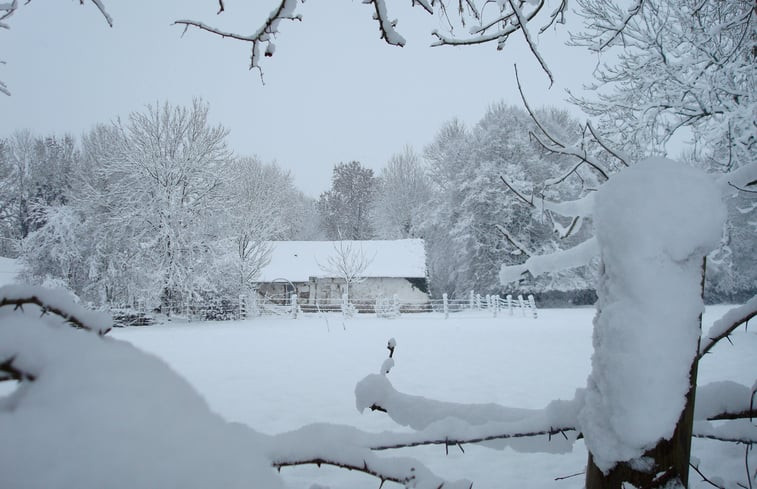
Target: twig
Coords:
[(75, 321), (13, 372), (569, 476), (524, 199), (727, 331), (479, 439), (405, 481), (704, 478)]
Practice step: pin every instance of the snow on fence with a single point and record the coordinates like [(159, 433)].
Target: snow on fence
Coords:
[(293, 306), (389, 307)]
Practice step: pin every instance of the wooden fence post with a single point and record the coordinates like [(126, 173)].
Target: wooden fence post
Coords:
[(532, 303)]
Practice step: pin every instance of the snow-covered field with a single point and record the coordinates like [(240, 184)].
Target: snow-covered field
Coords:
[(278, 374)]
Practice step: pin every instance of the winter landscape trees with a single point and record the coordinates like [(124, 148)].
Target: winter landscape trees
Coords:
[(154, 210), (345, 208), (654, 224)]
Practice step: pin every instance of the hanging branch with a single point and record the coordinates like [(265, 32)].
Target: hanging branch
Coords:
[(556, 145), (265, 34), (530, 42)]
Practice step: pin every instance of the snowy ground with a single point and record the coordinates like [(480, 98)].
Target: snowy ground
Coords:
[(278, 374)]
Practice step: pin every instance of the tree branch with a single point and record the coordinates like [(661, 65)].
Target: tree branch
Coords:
[(264, 34), (476, 439), (364, 468), (530, 42), (74, 318), (726, 325), (13, 373)]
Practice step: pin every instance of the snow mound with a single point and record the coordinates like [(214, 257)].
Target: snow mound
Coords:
[(101, 413)]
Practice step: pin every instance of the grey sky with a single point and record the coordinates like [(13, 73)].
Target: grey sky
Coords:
[(334, 91)]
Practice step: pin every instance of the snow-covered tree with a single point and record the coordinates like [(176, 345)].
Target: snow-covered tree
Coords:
[(346, 207), (403, 193), (470, 207), (682, 64), (257, 210)]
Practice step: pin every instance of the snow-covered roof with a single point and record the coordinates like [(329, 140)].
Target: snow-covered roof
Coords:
[(297, 261)]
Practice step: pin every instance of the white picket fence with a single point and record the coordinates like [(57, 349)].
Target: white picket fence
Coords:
[(292, 306), (389, 307)]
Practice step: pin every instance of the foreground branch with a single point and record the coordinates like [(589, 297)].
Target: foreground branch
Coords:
[(365, 468), (459, 441), (723, 327), (72, 318)]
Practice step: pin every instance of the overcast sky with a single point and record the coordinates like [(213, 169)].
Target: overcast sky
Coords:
[(333, 91)]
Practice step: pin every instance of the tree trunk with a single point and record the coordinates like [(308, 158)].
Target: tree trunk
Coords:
[(670, 457)]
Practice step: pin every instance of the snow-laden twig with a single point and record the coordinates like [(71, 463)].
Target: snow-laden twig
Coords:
[(577, 256), (50, 301), (529, 40), (386, 26), (349, 448), (734, 431), (264, 34), (454, 424), (723, 327)]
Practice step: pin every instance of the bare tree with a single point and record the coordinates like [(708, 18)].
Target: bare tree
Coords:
[(348, 262)]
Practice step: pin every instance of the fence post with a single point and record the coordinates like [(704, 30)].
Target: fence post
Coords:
[(445, 305), (252, 306), (509, 300), (478, 301), (472, 300), (495, 299), (522, 305), (532, 303), (242, 307), (294, 306)]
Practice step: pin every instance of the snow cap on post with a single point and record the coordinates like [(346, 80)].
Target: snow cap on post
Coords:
[(654, 223)]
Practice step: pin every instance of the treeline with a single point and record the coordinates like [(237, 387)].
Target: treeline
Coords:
[(157, 209), (154, 209)]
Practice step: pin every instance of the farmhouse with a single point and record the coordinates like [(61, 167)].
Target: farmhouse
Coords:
[(319, 271)]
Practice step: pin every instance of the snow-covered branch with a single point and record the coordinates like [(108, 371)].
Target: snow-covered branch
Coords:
[(55, 302), (577, 256), (733, 431), (348, 448), (724, 326), (496, 27), (263, 35), (456, 424), (386, 26)]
